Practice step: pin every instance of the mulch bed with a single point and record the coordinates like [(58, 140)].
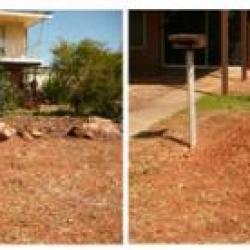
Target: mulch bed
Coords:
[(57, 189), (198, 196)]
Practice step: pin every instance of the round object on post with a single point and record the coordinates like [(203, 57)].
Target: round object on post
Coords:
[(189, 43)]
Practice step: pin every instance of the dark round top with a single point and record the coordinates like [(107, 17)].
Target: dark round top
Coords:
[(188, 41)]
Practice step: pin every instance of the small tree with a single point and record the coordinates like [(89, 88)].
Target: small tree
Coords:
[(91, 76)]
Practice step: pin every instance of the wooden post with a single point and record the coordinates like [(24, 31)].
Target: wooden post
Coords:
[(243, 29), (190, 43), (224, 52), (191, 97)]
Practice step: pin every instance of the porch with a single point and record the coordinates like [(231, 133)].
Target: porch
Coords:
[(227, 33)]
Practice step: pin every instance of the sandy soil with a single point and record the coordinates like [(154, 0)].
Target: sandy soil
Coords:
[(57, 189), (178, 195)]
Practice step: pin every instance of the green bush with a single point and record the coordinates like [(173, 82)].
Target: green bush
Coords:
[(88, 77), (9, 99), (100, 93), (55, 92), (98, 98)]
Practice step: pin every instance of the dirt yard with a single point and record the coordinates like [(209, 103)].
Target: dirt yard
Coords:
[(57, 189), (199, 196)]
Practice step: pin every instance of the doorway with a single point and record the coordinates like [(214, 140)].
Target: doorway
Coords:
[(201, 22)]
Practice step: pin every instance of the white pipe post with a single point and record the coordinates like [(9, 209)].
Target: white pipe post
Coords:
[(191, 97)]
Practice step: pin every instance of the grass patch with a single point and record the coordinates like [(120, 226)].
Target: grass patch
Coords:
[(230, 102), (43, 110), (59, 112), (18, 112)]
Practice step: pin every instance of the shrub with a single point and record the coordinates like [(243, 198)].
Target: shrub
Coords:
[(55, 92), (91, 77), (100, 93), (9, 99), (98, 98)]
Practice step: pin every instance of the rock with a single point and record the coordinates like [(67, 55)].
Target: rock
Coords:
[(29, 133), (96, 128), (110, 131), (36, 133), (6, 131), (77, 131), (24, 134), (97, 119)]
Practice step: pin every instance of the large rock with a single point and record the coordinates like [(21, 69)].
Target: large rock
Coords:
[(29, 133), (99, 120), (36, 133), (24, 134), (6, 131), (96, 128)]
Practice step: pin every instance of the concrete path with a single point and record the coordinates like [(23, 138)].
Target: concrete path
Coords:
[(164, 107), (176, 100)]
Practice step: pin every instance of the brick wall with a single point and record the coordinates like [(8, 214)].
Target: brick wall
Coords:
[(148, 57)]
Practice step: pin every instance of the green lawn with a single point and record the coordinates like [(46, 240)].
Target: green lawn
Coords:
[(230, 102)]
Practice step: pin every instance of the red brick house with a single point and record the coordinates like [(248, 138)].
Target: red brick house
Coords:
[(227, 34)]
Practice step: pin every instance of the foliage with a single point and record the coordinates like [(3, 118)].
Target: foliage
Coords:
[(9, 99), (90, 75), (55, 91)]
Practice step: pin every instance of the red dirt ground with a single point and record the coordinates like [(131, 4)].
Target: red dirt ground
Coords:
[(57, 189), (199, 196)]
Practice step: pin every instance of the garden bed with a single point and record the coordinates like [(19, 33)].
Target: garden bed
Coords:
[(178, 195), (58, 189)]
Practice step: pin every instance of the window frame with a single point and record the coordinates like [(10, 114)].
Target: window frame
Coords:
[(144, 35)]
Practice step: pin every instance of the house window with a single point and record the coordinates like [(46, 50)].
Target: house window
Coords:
[(2, 41), (137, 27)]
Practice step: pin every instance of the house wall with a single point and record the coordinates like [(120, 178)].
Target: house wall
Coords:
[(15, 40), (148, 57), (248, 40)]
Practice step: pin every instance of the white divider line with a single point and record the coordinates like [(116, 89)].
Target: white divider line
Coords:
[(125, 131)]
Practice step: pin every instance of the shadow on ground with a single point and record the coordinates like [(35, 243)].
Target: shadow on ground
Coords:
[(148, 134)]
